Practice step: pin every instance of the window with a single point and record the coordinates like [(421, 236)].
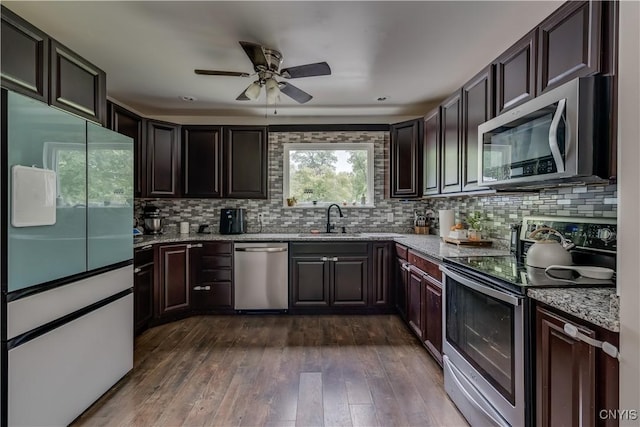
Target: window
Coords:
[(317, 174)]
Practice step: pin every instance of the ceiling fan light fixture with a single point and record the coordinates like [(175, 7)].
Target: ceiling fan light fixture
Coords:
[(253, 91), (273, 91)]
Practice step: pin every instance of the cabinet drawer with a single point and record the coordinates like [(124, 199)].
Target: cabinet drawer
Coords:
[(211, 262), (216, 275), (217, 248), (217, 296), (429, 267), (142, 256), (401, 251)]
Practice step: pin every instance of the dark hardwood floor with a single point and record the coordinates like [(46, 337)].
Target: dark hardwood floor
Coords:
[(278, 371)]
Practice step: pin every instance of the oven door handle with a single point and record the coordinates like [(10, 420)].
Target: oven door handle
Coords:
[(486, 290)]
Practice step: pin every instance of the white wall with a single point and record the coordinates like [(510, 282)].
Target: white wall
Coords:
[(629, 206)]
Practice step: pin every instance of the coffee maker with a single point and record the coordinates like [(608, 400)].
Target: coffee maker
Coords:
[(152, 220), (232, 221)]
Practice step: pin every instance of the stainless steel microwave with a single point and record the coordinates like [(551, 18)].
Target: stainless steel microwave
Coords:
[(562, 136)]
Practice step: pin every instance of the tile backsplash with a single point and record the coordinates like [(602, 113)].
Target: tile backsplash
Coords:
[(501, 209)]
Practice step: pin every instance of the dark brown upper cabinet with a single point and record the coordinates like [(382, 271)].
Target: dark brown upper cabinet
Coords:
[(451, 118), (516, 73), (570, 44), (245, 162), (127, 123), (25, 57), (431, 161), (77, 85), (202, 161), (406, 160), (163, 159), (477, 108)]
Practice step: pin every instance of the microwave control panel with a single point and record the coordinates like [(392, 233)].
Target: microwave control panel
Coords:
[(598, 234)]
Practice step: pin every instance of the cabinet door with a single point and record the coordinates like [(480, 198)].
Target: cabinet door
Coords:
[(77, 85), (570, 44), (431, 161), (380, 295), (143, 276), (516, 73), (451, 178), (414, 304), (349, 281), (173, 294), (201, 161), (163, 160), (133, 126), (309, 282), (142, 297), (214, 290), (432, 326), (406, 174), (477, 108), (401, 280), (25, 57), (565, 374), (245, 162)]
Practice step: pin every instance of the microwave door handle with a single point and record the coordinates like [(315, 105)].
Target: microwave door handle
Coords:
[(553, 136)]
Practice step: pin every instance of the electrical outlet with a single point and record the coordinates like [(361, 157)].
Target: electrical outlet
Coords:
[(261, 216), (390, 217)]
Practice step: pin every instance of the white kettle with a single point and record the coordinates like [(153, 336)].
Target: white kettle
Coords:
[(546, 252)]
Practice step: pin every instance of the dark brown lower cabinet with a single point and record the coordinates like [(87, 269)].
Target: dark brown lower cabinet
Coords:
[(432, 322), (401, 284), (142, 288), (349, 281), (575, 381), (309, 282), (212, 265), (173, 291), (380, 295), (414, 303)]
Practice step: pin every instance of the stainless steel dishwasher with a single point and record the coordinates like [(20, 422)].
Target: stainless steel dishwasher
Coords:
[(261, 276)]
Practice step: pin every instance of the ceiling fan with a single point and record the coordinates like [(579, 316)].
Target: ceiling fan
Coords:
[(266, 64)]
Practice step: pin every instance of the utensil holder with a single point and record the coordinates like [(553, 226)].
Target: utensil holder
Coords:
[(421, 230)]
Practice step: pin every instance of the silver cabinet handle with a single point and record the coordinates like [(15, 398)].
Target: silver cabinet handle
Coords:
[(324, 258), (553, 137), (197, 288), (406, 266), (146, 247), (199, 245), (335, 258), (607, 347), (137, 270), (207, 288)]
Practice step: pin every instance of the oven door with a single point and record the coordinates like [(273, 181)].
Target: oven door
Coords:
[(484, 343)]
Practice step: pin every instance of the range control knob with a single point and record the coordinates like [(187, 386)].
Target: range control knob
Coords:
[(606, 235)]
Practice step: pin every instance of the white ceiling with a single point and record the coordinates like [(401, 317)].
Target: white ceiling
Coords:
[(415, 53)]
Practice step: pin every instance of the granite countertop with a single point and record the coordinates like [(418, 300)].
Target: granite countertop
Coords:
[(430, 245), (599, 306)]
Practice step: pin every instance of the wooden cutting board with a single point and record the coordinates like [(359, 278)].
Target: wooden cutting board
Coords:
[(467, 242)]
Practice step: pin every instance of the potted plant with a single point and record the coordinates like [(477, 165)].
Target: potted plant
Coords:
[(475, 220)]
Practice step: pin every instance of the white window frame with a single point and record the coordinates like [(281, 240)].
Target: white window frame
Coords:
[(364, 146)]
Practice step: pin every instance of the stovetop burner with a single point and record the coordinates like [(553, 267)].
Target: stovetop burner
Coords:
[(507, 272)]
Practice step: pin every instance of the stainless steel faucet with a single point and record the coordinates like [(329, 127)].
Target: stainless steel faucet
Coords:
[(329, 225)]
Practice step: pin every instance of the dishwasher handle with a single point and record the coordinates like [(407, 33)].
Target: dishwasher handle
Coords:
[(259, 249)]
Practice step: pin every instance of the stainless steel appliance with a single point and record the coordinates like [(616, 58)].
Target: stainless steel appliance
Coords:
[(261, 276), (232, 221), (487, 341), (152, 220), (560, 136)]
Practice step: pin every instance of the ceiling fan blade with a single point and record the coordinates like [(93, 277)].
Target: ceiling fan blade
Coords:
[(221, 73), (293, 92), (256, 55), (243, 96), (308, 70)]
